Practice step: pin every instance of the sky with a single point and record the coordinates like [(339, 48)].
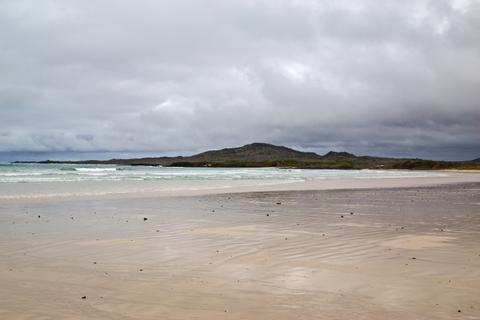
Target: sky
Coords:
[(143, 77)]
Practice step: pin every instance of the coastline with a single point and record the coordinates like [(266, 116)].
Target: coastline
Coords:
[(308, 185)]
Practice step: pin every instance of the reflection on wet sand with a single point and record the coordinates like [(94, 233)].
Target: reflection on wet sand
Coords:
[(408, 253)]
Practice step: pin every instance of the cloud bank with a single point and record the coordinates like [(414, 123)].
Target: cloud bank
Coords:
[(396, 78)]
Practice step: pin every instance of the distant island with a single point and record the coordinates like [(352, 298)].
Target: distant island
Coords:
[(268, 155)]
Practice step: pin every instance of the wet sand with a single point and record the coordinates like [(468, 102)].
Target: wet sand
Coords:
[(398, 253)]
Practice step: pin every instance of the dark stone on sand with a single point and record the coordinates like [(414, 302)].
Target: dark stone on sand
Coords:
[(268, 214), (39, 216), (459, 310), (84, 297), (140, 270), (213, 210), (279, 203), (145, 219), (351, 213), (413, 258), (341, 216)]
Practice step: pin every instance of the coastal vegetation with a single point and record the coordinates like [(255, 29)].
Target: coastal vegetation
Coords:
[(266, 155)]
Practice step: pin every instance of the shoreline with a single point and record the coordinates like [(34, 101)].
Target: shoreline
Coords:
[(309, 185)]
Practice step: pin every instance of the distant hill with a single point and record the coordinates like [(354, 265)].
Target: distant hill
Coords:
[(475, 160), (268, 155), (256, 152)]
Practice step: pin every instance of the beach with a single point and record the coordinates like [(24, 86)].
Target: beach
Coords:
[(386, 248)]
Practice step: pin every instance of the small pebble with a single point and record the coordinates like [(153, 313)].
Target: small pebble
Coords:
[(84, 297), (145, 219)]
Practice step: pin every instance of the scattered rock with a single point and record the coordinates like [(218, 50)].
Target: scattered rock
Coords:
[(140, 270), (279, 203), (459, 310), (413, 258), (351, 213), (38, 216), (341, 216), (145, 219), (84, 297), (268, 214)]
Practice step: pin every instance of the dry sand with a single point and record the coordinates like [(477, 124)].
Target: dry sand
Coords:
[(404, 253)]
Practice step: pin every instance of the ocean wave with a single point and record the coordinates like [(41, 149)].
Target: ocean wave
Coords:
[(96, 170)]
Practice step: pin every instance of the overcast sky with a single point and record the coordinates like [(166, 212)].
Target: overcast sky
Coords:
[(395, 78)]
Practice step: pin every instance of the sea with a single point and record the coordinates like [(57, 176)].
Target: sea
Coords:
[(21, 180)]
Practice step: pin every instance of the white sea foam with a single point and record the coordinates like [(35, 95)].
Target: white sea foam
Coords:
[(95, 169)]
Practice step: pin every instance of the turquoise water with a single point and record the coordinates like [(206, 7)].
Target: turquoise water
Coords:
[(25, 180)]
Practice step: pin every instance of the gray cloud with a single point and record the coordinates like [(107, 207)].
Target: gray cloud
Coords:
[(388, 78)]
